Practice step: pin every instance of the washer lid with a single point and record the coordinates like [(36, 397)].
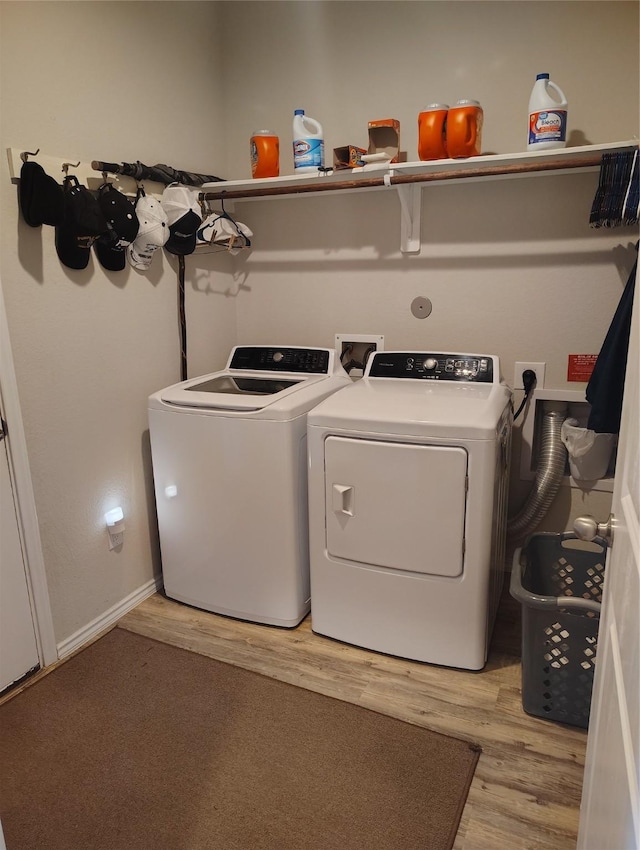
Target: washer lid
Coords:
[(415, 408), (261, 377), (236, 390)]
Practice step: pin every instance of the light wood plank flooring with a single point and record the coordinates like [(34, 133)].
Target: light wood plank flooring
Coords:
[(526, 791)]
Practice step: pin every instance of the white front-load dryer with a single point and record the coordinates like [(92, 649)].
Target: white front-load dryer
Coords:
[(229, 453), (408, 480)]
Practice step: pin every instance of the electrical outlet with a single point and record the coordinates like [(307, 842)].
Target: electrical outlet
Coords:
[(116, 540), (538, 368), (355, 349)]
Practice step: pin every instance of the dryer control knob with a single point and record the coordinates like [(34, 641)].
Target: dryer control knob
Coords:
[(430, 363), (277, 357)]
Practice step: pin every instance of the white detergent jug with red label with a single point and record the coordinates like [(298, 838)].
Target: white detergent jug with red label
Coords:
[(547, 115)]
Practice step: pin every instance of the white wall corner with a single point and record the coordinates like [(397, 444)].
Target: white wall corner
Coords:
[(109, 618)]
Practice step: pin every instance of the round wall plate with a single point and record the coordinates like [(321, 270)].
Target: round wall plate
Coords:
[(421, 307)]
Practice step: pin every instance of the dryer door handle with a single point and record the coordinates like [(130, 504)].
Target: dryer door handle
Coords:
[(343, 499)]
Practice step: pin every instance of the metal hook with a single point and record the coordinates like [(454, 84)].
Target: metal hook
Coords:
[(24, 156), (67, 165), (205, 207)]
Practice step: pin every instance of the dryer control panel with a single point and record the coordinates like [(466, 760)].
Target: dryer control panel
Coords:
[(434, 366), (269, 358)]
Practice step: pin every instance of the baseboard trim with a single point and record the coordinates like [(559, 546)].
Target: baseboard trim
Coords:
[(104, 621)]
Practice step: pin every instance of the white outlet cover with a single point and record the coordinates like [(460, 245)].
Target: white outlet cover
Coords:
[(116, 540), (522, 366)]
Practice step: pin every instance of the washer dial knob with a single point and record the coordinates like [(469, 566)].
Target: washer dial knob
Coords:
[(430, 363), (278, 356)]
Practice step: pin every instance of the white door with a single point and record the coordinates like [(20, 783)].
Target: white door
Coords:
[(18, 647), (384, 500), (21, 612), (610, 810)]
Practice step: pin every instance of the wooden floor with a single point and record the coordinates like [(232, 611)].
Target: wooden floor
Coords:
[(526, 791)]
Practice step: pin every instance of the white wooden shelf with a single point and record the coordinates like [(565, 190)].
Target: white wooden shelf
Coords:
[(408, 179), (527, 161)]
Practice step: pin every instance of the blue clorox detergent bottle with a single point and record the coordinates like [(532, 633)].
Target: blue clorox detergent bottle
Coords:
[(547, 115), (308, 144)]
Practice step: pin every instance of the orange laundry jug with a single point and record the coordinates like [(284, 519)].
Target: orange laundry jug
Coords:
[(432, 143), (265, 154), (464, 129)]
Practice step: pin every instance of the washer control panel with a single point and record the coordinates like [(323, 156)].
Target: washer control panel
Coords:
[(285, 359), (430, 366)]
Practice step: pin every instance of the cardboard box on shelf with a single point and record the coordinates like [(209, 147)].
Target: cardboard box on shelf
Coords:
[(349, 156), (384, 137)]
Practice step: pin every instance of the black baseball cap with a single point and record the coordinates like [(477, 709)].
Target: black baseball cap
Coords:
[(40, 196), (83, 222), (122, 224)]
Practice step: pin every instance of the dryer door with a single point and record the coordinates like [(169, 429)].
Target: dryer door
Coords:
[(396, 505)]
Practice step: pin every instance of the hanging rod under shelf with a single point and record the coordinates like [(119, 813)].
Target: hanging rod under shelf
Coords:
[(392, 179)]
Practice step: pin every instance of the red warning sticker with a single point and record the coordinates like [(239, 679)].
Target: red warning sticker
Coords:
[(580, 366)]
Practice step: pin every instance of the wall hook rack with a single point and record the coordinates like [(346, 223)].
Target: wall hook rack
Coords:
[(83, 171)]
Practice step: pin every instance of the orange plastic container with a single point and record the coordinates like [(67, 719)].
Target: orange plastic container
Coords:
[(464, 129), (432, 142), (265, 154)]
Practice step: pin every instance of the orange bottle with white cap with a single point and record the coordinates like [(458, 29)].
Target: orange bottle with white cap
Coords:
[(265, 154), (464, 129), (432, 142)]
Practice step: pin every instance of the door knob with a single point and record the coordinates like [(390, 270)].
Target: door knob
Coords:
[(587, 527)]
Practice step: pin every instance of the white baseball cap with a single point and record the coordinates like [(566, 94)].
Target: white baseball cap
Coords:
[(183, 215), (152, 234)]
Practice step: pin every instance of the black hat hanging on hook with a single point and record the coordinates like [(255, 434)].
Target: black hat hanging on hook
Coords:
[(40, 196), (83, 222), (123, 226)]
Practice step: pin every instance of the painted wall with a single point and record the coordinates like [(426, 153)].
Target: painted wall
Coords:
[(117, 82), (347, 63), (511, 267)]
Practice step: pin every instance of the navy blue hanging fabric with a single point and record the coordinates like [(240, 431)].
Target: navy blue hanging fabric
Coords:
[(616, 201), (606, 386)]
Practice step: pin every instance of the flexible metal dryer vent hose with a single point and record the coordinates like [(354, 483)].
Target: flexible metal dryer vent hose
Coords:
[(551, 464)]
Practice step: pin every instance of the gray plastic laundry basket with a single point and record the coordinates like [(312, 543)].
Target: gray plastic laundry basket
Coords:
[(558, 579)]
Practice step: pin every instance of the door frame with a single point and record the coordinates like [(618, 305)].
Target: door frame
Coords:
[(20, 474), (612, 756)]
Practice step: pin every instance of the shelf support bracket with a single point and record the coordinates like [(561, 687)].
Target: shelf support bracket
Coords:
[(410, 219)]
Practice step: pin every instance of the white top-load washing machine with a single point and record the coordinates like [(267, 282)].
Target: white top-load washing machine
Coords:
[(408, 483), (229, 453)]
